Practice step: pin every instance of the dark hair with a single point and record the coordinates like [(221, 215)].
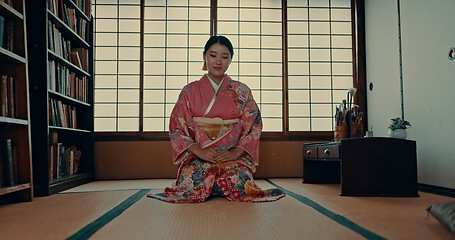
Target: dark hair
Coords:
[(221, 40)]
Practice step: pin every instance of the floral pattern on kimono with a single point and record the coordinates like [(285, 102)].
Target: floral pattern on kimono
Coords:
[(197, 179), (200, 180)]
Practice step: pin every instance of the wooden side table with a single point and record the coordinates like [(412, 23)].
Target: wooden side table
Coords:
[(378, 166), (321, 162)]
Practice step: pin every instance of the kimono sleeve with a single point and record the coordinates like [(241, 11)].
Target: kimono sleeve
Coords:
[(251, 123), (181, 132)]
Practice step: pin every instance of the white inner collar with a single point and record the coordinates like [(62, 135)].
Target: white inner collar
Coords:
[(213, 83)]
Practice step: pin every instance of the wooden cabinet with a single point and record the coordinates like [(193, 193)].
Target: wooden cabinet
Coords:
[(321, 162), (16, 182), (60, 39), (378, 166)]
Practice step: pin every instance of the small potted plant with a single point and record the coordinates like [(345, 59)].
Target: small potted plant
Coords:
[(397, 128)]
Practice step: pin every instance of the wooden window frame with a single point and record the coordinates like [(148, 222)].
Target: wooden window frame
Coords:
[(359, 82)]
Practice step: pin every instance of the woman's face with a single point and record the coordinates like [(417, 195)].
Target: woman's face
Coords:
[(217, 59)]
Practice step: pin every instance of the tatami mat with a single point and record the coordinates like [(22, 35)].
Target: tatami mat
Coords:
[(57, 216), (390, 217), (120, 210), (221, 219), (114, 185)]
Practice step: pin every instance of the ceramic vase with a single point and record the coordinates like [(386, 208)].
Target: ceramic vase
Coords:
[(398, 133)]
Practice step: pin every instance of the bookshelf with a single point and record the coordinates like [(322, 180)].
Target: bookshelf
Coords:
[(61, 89), (16, 183)]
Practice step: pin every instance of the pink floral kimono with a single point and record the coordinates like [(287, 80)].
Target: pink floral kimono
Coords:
[(220, 120)]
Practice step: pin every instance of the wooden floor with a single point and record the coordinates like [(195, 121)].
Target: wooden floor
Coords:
[(120, 210)]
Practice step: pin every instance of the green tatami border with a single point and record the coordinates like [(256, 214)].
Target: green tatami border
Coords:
[(91, 228), (332, 215)]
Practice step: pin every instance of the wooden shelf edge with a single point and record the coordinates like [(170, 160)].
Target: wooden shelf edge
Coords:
[(68, 98), (69, 64), (13, 121), (66, 29), (14, 188), (65, 183), (10, 11), (70, 129), (11, 57)]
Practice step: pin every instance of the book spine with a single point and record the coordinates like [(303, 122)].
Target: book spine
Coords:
[(59, 160), (2, 171), (8, 163), (51, 161), (4, 96), (63, 160), (2, 30), (11, 85)]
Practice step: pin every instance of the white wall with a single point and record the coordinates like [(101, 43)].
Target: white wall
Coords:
[(428, 79)]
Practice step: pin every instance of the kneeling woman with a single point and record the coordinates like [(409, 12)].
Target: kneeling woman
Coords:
[(215, 128)]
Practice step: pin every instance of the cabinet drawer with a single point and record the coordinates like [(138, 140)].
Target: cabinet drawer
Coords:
[(329, 151), (310, 152)]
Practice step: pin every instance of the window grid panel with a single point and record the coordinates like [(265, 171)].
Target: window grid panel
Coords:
[(122, 23), (105, 124), (169, 55), (126, 124), (319, 56), (319, 51), (256, 33)]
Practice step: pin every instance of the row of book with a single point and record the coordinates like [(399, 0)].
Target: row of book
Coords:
[(8, 163), (61, 114), (7, 96), (83, 5), (63, 160), (77, 24), (6, 33), (62, 80), (62, 47), (69, 16)]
